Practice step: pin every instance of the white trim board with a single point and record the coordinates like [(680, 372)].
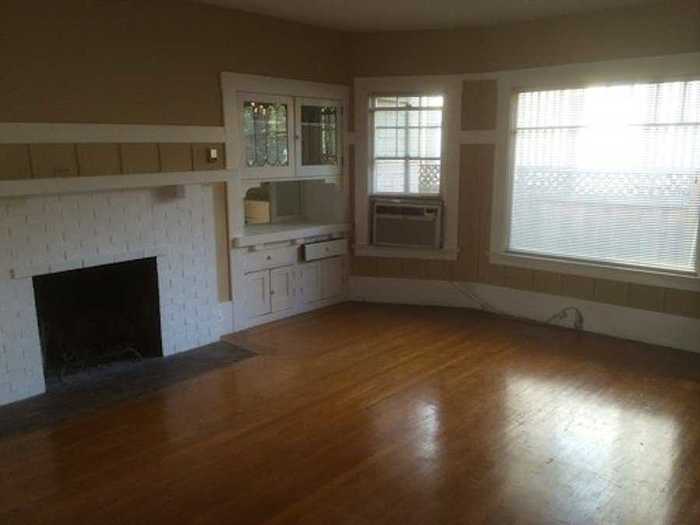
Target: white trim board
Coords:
[(29, 187), (48, 133), (616, 321)]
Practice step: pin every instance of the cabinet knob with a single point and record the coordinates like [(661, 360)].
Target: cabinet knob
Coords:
[(269, 257)]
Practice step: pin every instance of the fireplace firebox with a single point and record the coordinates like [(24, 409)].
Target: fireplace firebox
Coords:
[(98, 315)]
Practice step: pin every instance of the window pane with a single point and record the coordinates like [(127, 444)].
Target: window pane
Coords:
[(390, 142), (609, 174), (389, 176), (265, 134), (424, 176), (407, 143)]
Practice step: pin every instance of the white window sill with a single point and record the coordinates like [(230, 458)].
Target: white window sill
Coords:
[(598, 271), (444, 254)]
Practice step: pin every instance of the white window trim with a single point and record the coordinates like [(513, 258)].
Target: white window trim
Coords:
[(509, 82), (451, 87)]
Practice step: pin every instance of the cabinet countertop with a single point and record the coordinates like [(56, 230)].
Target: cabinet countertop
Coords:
[(254, 234)]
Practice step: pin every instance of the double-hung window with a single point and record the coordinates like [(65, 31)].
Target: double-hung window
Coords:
[(608, 175), (406, 144)]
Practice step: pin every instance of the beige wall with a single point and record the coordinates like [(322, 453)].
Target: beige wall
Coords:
[(475, 201), (145, 61), (672, 26), (158, 62), (667, 28), (141, 62)]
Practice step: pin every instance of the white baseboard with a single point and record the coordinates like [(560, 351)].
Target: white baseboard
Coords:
[(617, 321)]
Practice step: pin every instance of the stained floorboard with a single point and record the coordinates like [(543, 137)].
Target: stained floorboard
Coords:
[(384, 414)]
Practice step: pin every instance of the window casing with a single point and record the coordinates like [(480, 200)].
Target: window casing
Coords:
[(406, 144), (607, 175)]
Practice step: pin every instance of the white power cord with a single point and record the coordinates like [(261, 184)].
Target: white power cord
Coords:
[(562, 315)]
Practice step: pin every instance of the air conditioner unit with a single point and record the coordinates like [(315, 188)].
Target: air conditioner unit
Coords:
[(415, 223)]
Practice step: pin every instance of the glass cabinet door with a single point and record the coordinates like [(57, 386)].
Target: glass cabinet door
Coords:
[(266, 133), (319, 127)]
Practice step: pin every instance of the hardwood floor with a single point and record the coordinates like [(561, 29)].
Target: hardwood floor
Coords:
[(372, 414)]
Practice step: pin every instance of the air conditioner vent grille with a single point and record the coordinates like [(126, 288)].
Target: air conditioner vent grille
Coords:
[(407, 223)]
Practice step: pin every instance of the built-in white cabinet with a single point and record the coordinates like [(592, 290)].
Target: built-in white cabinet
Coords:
[(332, 277), (278, 280), (267, 136), (309, 282), (256, 293), (281, 288), (285, 137), (318, 145)]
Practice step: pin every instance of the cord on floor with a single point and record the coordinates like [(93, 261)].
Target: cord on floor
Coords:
[(562, 315)]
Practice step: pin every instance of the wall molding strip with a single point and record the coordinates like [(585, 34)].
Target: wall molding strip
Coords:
[(46, 133), (29, 187)]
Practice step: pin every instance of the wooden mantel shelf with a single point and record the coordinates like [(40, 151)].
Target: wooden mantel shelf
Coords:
[(31, 187)]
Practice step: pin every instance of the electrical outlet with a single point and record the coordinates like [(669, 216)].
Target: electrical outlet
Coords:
[(212, 154)]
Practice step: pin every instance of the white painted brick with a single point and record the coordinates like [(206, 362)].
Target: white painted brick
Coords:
[(48, 234)]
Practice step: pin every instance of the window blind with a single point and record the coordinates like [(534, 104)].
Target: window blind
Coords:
[(608, 174), (407, 144)]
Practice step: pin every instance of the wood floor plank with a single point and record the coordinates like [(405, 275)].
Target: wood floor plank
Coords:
[(384, 414)]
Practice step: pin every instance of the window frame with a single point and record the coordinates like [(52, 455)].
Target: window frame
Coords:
[(372, 112), (648, 70), (448, 86)]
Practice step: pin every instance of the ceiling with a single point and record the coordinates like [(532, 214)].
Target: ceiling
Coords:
[(376, 15)]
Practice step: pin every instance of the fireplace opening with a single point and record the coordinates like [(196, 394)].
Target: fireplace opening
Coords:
[(95, 316)]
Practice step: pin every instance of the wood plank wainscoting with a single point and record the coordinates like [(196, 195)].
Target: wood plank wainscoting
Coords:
[(384, 414)]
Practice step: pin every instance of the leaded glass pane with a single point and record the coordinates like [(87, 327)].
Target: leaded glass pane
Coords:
[(319, 135), (265, 133)]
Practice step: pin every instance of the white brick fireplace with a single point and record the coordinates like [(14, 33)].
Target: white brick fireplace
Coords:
[(46, 234)]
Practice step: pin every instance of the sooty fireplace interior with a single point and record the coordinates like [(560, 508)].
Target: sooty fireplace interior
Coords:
[(97, 315)]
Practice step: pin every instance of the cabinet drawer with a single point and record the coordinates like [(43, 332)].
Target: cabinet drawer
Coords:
[(270, 258), (320, 250)]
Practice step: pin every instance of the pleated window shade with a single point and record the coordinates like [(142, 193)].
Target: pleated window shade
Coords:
[(608, 175)]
